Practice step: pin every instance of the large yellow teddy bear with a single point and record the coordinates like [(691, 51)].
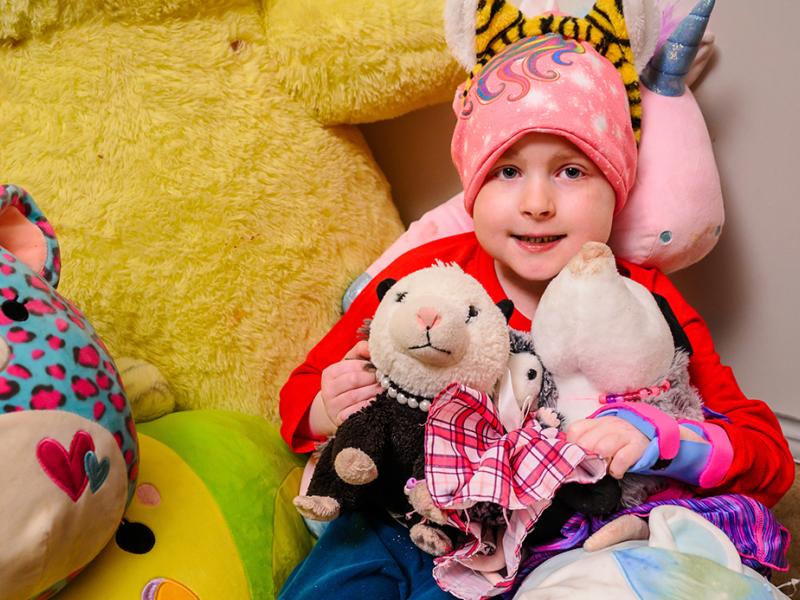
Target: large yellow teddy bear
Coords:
[(200, 163)]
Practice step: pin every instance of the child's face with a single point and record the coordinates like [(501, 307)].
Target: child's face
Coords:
[(542, 200)]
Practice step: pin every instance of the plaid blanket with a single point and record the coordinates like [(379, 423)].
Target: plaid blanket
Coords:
[(471, 458)]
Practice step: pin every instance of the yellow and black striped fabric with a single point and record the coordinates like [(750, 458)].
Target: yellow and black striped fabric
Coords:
[(499, 24)]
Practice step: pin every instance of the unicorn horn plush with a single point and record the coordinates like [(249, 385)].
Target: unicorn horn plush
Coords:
[(675, 213)]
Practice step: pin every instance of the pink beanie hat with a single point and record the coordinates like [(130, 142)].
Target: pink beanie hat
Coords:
[(545, 84)]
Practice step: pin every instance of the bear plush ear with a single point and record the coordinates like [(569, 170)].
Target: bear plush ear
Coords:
[(384, 286), (506, 307), (26, 233)]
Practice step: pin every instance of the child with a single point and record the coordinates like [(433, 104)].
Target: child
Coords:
[(545, 146)]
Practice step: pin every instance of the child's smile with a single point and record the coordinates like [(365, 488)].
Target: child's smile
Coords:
[(538, 243)]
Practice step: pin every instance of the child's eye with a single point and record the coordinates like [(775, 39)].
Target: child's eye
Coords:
[(507, 173), (472, 313), (572, 172)]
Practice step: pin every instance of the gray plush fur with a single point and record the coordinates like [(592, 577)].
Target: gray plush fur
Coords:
[(521, 341), (681, 400)]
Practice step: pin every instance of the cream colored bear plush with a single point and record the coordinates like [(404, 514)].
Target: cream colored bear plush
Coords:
[(604, 338)]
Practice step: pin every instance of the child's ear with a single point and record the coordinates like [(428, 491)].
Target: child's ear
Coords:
[(26, 233)]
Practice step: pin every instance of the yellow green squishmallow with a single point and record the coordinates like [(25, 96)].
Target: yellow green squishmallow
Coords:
[(211, 516), (201, 163)]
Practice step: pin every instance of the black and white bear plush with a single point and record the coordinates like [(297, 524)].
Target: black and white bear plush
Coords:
[(433, 327)]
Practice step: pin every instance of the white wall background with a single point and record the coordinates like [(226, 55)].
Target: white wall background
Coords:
[(747, 288)]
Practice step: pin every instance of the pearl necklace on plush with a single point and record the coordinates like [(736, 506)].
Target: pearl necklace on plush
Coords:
[(403, 397)]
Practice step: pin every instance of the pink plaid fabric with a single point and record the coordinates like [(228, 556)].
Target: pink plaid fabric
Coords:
[(470, 458)]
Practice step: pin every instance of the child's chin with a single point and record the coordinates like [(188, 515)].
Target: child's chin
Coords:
[(540, 273)]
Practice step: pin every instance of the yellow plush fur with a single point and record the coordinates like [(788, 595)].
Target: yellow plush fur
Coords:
[(199, 163)]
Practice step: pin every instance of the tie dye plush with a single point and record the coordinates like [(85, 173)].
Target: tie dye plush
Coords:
[(68, 449), (685, 556)]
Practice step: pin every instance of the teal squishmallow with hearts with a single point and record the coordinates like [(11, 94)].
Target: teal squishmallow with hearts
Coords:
[(68, 448)]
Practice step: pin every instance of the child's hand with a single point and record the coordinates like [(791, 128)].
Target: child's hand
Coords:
[(614, 439), (347, 387)]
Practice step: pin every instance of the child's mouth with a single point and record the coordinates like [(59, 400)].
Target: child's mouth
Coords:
[(542, 239), (537, 243)]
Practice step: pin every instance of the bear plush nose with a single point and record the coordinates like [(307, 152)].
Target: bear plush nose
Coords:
[(428, 317)]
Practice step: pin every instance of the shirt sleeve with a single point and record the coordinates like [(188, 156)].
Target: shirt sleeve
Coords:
[(762, 466), (299, 391)]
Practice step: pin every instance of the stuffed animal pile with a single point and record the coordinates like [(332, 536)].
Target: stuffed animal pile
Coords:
[(192, 530), (683, 556), (202, 164)]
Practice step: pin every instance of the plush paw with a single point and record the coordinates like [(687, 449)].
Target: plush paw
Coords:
[(548, 417), (623, 529), (355, 467), (320, 508), (420, 499), (149, 394), (430, 539)]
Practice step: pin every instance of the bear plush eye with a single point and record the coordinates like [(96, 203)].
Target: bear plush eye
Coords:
[(401, 296), (473, 312), (15, 310), (532, 374)]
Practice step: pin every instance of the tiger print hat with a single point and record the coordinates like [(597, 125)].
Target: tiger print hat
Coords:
[(568, 76)]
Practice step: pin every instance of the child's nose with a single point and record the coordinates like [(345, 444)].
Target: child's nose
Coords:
[(538, 199), (428, 318)]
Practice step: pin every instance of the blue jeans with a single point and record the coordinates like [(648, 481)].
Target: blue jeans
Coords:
[(364, 555)]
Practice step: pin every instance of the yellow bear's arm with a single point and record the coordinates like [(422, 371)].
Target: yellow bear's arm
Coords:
[(355, 61)]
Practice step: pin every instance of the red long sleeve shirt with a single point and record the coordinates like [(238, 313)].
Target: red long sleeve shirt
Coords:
[(762, 466)]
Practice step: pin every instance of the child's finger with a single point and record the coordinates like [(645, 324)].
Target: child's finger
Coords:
[(578, 428), (359, 351), (590, 438), (623, 460), (354, 408), (351, 380), (344, 366), (602, 442), (354, 396)]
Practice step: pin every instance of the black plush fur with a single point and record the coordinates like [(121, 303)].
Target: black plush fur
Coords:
[(392, 435)]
